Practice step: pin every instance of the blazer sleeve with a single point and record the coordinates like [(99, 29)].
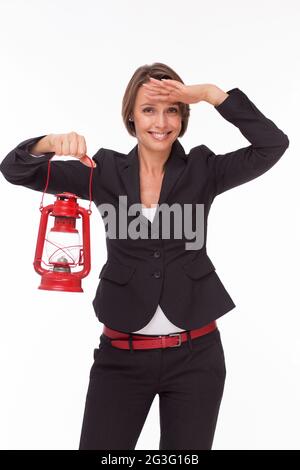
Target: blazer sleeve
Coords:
[(21, 168), (268, 144)]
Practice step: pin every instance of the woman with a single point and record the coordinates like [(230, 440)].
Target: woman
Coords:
[(159, 295)]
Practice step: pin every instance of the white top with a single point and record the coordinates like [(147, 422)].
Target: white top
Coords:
[(159, 324)]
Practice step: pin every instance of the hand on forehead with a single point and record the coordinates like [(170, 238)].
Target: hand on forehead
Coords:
[(163, 90)]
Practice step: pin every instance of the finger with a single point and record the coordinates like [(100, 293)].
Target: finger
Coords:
[(157, 83), (176, 87), (167, 82), (154, 80), (153, 87), (156, 97), (158, 92), (172, 94), (170, 82), (58, 147), (159, 98), (160, 89), (82, 150), (73, 147), (66, 145), (85, 161)]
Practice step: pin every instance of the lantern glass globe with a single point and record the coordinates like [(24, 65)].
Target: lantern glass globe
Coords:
[(63, 247)]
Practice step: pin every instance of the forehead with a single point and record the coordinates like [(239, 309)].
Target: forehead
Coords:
[(142, 98)]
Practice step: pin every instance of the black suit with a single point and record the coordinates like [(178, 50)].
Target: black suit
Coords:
[(140, 274)]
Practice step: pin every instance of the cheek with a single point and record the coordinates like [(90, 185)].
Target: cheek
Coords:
[(178, 123), (142, 121)]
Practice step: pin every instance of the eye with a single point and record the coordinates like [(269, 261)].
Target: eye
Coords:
[(145, 110)]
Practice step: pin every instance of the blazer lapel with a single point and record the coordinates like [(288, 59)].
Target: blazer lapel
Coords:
[(129, 172)]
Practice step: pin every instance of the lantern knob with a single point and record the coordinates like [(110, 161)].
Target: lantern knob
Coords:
[(67, 196)]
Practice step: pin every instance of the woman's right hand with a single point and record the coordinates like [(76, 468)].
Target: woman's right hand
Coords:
[(72, 144)]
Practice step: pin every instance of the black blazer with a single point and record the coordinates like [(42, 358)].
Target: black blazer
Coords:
[(140, 274)]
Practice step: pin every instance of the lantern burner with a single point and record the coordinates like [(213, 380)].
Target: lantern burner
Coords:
[(60, 268)]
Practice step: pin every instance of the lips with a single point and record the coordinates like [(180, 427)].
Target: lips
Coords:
[(160, 136)]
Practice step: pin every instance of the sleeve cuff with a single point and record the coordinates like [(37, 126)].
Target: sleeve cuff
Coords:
[(24, 148), (37, 156), (228, 99)]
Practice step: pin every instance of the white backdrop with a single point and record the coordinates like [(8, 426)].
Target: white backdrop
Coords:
[(65, 65)]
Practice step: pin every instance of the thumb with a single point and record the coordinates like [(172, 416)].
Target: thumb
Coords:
[(85, 160)]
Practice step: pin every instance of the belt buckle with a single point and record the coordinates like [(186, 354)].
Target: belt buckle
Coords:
[(179, 337)]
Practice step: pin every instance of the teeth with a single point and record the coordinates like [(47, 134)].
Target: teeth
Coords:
[(159, 135)]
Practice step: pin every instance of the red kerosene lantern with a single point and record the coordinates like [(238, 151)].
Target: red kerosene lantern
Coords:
[(64, 249)]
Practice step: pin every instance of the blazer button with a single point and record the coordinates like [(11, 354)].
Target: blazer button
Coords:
[(157, 274), (156, 254)]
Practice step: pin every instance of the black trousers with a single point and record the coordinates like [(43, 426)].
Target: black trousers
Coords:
[(189, 380)]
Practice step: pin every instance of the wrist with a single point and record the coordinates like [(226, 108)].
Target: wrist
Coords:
[(202, 92), (215, 96), (41, 146)]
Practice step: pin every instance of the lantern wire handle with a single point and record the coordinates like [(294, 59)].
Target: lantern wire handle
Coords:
[(90, 185)]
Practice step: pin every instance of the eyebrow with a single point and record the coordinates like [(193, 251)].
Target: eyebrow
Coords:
[(171, 104)]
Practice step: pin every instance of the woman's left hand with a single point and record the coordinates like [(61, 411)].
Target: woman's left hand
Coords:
[(168, 90)]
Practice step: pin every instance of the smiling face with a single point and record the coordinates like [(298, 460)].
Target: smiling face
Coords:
[(157, 124)]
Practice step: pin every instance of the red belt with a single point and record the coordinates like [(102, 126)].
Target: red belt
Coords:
[(122, 340)]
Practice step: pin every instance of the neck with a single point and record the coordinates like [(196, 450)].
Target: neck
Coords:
[(152, 163)]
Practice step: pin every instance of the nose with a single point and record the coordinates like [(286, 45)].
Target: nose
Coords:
[(161, 120)]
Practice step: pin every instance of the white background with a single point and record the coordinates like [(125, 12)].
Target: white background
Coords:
[(65, 65)]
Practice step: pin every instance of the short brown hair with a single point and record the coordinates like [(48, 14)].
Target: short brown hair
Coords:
[(142, 75)]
